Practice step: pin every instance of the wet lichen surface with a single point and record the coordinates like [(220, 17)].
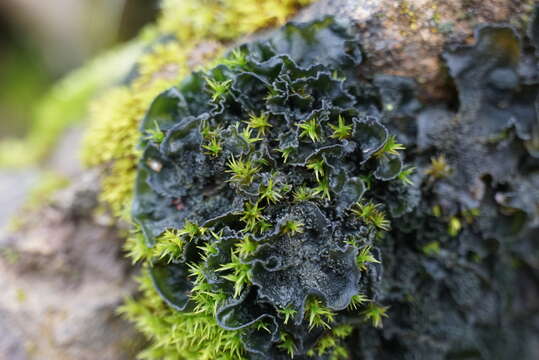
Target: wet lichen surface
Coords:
[(274, 197)]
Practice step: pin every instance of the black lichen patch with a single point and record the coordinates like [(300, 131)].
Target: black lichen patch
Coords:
[(461, 271), (490, 87), (268, 178), (499, 102), (296, 259), (270, 194)]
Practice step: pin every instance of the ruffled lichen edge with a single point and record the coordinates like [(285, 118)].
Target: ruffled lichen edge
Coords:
[(283, 125), (188, 35)]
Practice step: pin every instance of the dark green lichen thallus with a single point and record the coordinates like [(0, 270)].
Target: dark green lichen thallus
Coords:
[(270, 191), (273, 171), (461, 271)]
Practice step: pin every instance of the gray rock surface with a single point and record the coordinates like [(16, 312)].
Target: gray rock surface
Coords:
[(14, 185), (63, 276)]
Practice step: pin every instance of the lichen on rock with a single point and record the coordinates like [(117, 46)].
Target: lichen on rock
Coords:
[(268, 185), (271, 170)]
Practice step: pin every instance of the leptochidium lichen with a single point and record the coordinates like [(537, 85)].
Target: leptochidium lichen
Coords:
[(262, 188), (288, 208)]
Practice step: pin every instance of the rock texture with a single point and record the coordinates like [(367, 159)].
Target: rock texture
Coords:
[(406, 37), (63, 276)]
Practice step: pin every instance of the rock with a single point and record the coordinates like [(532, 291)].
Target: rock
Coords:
[(14, 186), (406, 37), (63, 276)]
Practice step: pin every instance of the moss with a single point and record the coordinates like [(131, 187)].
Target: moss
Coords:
[(176, 335), (224, 20), (114, 119), (438, 168), (432, 248)]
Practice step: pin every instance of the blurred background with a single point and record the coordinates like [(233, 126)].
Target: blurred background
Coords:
[(40, 41), (49, 54), (55, 57)]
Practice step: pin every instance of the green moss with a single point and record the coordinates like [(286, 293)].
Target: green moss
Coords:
[(375, 314), (175, 335), (224, 20), (331, 344), (439, 168), (432, 248), (454, 227)]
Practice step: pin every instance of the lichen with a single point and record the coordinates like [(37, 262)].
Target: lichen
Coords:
[(449, 266), (268, 170), (185, 38)]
